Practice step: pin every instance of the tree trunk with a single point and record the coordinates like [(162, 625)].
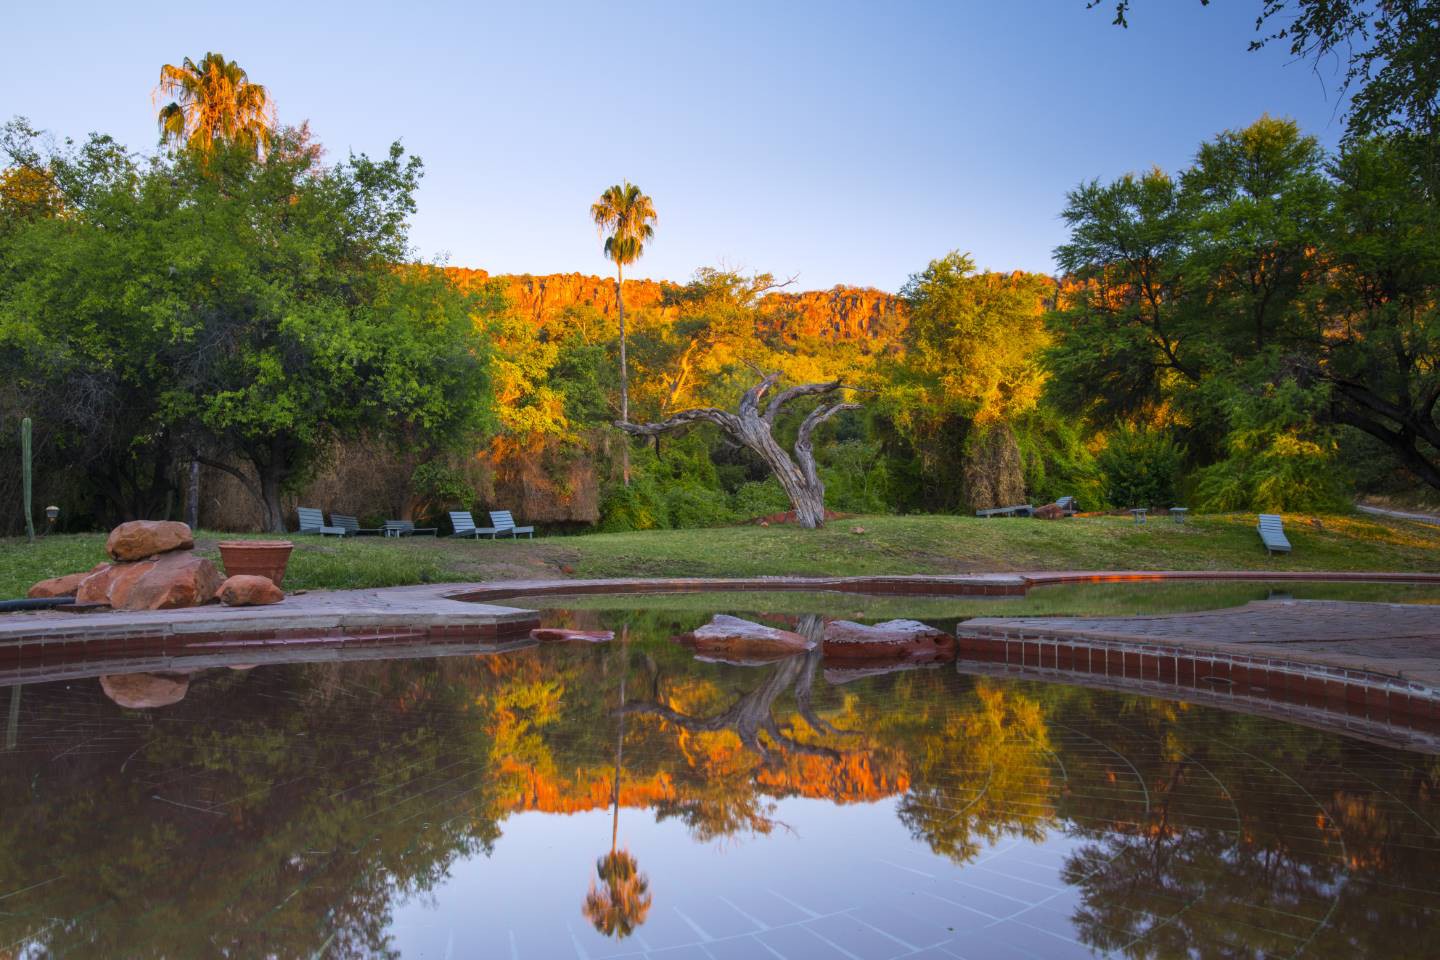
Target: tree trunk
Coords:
[(752, 427), (192, 496), (624, 372)]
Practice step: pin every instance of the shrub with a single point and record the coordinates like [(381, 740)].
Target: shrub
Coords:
[(857, 478), (1140, 467), (691, 505), (759, 499), (636, 507), (1284, 472)]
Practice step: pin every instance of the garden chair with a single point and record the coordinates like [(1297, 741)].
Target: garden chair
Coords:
[(505, 523), (1272, 534), (351, 525), (406, 528), (464, 525), (312, 520)]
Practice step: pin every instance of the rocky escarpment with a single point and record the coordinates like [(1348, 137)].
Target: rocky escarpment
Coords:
[(840, 313)]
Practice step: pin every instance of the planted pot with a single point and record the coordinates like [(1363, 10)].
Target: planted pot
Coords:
[(260, 558)]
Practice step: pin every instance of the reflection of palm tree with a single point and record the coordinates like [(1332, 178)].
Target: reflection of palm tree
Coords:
[(623, 903)]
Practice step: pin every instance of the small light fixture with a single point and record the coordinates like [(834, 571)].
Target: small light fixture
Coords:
[(51, 512)]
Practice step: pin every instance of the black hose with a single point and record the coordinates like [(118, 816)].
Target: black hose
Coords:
[(37, 603)]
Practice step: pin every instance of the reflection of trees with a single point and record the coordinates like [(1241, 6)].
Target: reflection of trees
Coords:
[(1239, 850)]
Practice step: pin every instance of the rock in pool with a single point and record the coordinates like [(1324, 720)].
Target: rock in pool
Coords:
[(732, 638), (893, 639)]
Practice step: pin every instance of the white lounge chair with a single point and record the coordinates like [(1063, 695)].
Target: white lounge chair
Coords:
[(505, 523), (1272, 534), (312, 520), (464, 525)]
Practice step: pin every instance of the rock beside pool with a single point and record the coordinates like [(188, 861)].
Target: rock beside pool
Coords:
[(176, 579), (889, 640), (731, 638), (140, 539), (66, 586), (141, 691), (248, 590), (584, 636)]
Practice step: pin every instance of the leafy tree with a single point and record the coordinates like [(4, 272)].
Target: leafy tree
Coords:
[(215, 103), (971, 365)]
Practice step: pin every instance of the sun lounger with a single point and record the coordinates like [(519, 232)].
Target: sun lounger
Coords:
[(313, 521), (351, 525), (505, 523), (1272, 534), (406, 528), (1019, 510), (1068, 505), (464, 525)]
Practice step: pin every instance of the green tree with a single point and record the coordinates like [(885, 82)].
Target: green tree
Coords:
[(215, 103)]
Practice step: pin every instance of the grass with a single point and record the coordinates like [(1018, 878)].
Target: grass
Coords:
[(895, 545)]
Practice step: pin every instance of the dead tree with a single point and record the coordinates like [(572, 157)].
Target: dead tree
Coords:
[(753, 427)]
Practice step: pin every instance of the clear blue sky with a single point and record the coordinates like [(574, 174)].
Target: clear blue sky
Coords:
[(846, 143)]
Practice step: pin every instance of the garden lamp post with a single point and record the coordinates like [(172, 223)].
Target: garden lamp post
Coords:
[(52, 513)]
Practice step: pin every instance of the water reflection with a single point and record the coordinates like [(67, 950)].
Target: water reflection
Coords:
[(390, 808)]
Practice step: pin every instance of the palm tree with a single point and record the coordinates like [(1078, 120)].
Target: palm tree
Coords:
[(214, 102), (627, 216)]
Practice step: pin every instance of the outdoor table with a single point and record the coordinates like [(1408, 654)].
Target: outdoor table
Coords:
[(1178, 513), (1139, 513)]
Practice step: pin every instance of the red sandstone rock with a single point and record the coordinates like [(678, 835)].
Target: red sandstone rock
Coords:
[(559, 633), (176, 579), (731, 638), (139, 691), (139, 539), (893, 639), (248, 590), (1051, 511), (66, 586)]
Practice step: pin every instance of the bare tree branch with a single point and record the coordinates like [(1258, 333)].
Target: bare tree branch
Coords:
[(684, 418), (778, 402)]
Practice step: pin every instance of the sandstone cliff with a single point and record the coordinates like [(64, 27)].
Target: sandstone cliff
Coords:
[(841, 313)]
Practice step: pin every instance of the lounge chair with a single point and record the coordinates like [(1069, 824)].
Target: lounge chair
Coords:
[(351, 525), (1272, 534), (1017, 510), (313, 521), (505, 523), (464, 525), (1068, 506), (406, 528)]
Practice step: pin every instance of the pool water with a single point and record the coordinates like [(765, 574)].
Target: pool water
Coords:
[(624, 799)]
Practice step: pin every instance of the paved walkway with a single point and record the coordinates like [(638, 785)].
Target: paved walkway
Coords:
[(1400, 640), (1429, 518)]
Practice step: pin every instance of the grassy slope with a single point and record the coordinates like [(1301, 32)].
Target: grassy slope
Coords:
[(916, 544)]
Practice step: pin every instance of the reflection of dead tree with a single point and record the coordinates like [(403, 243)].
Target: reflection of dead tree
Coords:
[(752, 427), (753, 713)]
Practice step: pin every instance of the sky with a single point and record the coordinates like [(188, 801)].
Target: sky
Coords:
[(836, 142)]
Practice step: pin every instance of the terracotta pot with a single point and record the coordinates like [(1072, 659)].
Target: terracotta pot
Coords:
[(261, 558)]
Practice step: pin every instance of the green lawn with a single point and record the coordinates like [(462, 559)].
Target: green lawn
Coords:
[(898, 545)]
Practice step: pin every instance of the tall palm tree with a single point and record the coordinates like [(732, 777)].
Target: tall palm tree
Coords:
[(215, 102), (627, 216)]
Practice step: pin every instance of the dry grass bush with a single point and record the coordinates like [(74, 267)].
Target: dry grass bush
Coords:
[(992, 469)]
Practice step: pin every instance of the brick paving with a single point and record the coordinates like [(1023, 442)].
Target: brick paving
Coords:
[(1401, 640)]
